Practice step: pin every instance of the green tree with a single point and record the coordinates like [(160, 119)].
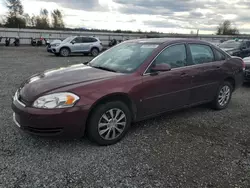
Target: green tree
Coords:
[(42, 21), (57, 19), (226, 28), (15, 15)]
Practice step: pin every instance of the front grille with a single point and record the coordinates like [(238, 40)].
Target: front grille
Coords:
[(46, 131)]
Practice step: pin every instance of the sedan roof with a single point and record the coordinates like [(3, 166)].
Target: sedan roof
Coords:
[(167, 40)]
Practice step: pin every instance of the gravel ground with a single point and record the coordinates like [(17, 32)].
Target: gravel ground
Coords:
[(197, 147)]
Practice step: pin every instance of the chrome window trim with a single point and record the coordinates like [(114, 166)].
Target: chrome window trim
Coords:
[(184, 43)]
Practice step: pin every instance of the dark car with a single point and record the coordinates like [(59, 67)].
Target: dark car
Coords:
[(240, 48), (247, 69), (132, 81)]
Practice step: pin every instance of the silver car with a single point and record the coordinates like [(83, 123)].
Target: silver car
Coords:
[(78, 44)]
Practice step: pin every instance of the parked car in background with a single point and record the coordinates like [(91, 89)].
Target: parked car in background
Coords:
[(247, 69), (131, 81), (78, 44), (240, 48), (54, 43)]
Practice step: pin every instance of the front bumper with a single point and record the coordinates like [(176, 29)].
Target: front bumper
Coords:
[(49, 50), (55, 50), (68, 123)]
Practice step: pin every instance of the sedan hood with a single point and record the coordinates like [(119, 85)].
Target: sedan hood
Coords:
[(47, 81)]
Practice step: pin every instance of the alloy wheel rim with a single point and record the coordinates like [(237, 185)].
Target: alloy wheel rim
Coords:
[(95, 52), (65, 52), (224, 95), (112, 124)]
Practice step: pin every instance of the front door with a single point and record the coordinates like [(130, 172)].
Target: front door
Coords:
[(76, 45), (166, 90)]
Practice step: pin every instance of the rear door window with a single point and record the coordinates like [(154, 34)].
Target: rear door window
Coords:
[(219, 56), (201, 53), (88, 40)]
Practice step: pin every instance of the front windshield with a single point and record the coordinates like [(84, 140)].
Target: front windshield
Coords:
[(125, 58), (231, 44), (67, 39)]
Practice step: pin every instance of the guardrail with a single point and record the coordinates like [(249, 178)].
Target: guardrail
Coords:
[(25, 35)]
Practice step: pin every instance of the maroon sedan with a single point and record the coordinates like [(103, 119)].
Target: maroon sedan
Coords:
[(132, 81)]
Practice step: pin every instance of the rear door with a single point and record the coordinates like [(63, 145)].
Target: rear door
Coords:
[(206, 72), (166, 90), (87, 44)]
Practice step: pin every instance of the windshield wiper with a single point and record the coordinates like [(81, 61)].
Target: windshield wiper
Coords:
[(104, 68)]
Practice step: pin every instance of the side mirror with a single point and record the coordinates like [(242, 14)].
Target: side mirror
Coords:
[(160, 68), (73, 42)]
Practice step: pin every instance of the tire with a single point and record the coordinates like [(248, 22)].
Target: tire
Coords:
[(218, 103), (94, 52), (64, 52), (104, 133)]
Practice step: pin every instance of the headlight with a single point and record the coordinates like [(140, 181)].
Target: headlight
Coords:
[(56, 100)]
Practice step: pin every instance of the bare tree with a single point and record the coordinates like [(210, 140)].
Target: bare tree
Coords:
[(226, 28), (15, 18), (42, 21), (57, 19)]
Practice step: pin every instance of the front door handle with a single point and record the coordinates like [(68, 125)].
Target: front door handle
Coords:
[(183, 74)]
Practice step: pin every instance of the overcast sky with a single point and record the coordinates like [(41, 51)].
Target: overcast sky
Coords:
[(176, 16)]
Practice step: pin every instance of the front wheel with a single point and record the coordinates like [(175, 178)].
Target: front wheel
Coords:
[(94, 52), (223, 96), (64, 52), (109, 123)]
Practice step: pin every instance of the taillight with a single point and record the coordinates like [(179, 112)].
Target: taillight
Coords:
[(243, 65)]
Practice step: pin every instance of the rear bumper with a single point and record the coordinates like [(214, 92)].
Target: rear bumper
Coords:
[(239, 79), (247, 75), (67, 123)]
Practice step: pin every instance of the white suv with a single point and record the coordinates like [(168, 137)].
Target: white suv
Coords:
[(78, 44)]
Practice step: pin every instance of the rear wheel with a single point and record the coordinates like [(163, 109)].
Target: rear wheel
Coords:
[(109, 123), (64, 52), (223, 96), (94, 52)]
